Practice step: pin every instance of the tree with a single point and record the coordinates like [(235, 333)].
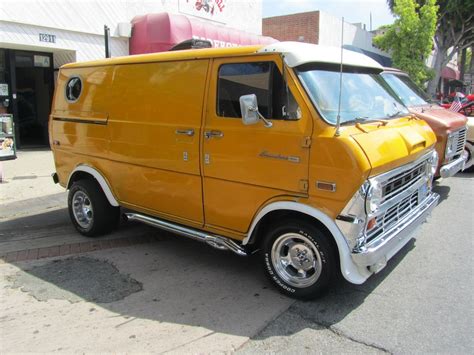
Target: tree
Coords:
[(454, 32), (409, 39)]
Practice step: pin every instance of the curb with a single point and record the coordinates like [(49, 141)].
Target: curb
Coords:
[(73, 248)]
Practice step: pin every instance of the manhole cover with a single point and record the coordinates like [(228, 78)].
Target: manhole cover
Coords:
[(76, 279)]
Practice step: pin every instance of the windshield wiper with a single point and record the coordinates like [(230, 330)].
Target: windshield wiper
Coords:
[(356, 120), (365, 120), (395, 114)]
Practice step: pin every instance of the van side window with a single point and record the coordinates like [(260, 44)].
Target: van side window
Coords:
[(275, 100), (73, 89)]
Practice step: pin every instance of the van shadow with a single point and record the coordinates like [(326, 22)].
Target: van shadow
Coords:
[(179, 281), (343, 298), (49, 219), (442, 191)]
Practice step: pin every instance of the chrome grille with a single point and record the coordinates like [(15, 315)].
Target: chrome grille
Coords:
[(460, 137), (402, 181), (393, 215)]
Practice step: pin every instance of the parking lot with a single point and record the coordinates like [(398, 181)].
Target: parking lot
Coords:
[(144, 290)]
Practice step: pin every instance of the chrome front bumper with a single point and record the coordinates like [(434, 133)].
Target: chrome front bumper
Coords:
[(375, 256), (455, 166)]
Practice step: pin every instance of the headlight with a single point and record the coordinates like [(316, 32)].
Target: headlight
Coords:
[(432, 165), (373, 197), (451, 146)]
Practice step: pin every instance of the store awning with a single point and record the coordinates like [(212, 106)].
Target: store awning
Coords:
[(450, 73), (160, 32)]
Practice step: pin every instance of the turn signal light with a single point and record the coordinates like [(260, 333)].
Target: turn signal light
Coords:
[(371, 224)]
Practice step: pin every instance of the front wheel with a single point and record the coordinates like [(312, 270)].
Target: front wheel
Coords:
[(299, 259)]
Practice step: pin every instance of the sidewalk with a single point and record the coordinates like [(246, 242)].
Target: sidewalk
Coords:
[(34, 221), (27, 186)]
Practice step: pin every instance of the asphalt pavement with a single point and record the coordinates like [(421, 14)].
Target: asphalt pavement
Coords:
[(143, 290)]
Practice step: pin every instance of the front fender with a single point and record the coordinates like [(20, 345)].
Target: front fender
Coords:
[(349, 270)]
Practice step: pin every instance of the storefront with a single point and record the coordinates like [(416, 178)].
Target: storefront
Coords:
[(450, 82), (36, 38), (28, 79)]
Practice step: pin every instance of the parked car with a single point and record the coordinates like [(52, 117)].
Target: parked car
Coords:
[(250, 150), (467, 104), (449, 127), (470, 144)]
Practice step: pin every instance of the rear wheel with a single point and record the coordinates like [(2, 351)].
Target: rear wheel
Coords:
[(299, 259), (89, 210)]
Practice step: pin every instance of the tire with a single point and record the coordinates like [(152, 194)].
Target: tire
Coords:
[(470, 161), (301, 244), (89, 210)]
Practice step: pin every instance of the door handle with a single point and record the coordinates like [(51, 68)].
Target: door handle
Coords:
[(185, 132), (213, 134)]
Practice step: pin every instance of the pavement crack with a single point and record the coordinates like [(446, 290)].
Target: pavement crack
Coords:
[(126, 322), (187, 343), (341, 334)]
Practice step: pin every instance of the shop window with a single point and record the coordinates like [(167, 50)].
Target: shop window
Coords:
[(263, 79), (73, 89)]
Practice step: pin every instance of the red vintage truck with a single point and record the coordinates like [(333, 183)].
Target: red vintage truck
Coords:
[(450, 127)]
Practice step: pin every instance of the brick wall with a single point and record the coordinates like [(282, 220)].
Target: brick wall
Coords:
[(293, 27)]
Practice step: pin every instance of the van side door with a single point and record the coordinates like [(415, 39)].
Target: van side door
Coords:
[(155, 128), (246, 166)]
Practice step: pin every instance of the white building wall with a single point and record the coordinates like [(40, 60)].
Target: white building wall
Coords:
[(90, 16), (330, 28), (70, 46), (79, 24)]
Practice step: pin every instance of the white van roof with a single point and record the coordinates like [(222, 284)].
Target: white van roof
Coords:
[(297, 53)]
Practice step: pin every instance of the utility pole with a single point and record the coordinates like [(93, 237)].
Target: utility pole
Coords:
[(107, 41)]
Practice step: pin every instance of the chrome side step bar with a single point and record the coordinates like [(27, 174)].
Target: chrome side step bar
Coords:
[(215, 241)]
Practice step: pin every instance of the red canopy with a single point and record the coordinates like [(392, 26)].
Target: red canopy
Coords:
[(450, 73), (160, 32)]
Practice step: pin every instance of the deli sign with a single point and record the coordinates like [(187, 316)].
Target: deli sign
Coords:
[(215, 10)]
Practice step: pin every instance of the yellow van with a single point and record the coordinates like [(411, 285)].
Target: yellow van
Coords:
[(248, 149)]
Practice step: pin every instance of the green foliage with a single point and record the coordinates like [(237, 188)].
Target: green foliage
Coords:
[(467, 65), (410, 38)]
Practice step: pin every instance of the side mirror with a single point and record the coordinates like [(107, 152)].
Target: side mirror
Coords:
[(249, 109)]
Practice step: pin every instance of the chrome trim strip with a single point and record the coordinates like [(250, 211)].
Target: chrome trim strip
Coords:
[(290, 158), (216, 241), (79, 120)]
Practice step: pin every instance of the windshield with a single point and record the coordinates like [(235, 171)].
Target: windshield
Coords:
[(406, 89), (365, 95)]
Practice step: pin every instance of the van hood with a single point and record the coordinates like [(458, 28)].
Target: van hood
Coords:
[(394, 144), (440, 119)]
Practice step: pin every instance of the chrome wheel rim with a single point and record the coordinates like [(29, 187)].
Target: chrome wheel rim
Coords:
[(82, 209), (296, 260)]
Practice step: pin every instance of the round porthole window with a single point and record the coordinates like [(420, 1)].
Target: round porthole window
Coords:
[(73, 89)]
